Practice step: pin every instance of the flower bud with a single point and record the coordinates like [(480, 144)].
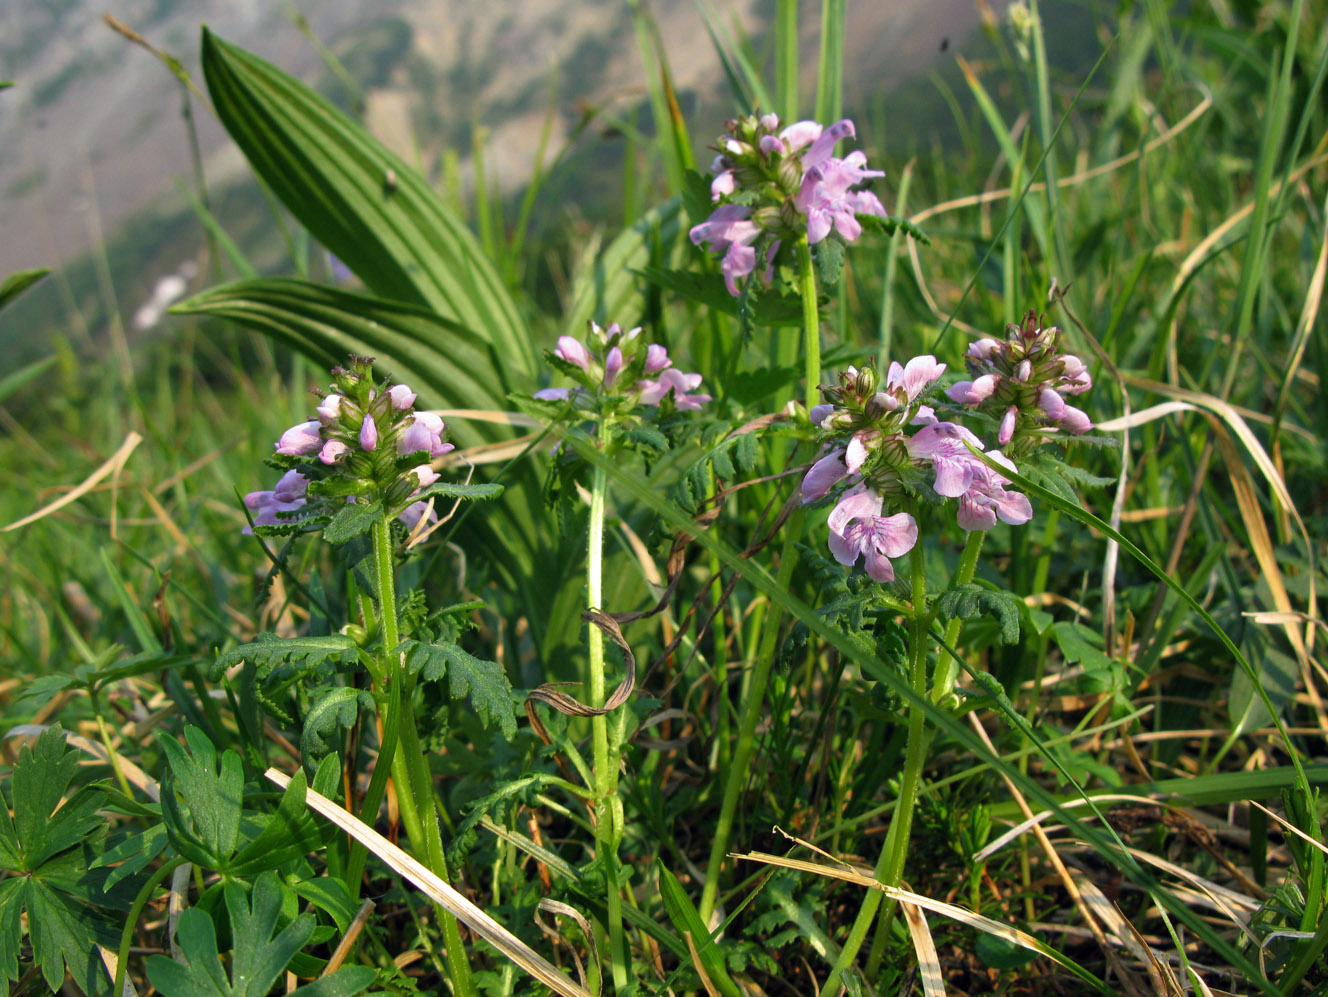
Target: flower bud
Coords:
[(301, 440), (368, 434)]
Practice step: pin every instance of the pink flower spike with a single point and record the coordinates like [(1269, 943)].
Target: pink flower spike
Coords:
[(1006, 432), (673, 380), (573, 351), (301, 440), (657, 358), (402, 397), (330, 408), (368, 434), (823, 476), (332, 449)]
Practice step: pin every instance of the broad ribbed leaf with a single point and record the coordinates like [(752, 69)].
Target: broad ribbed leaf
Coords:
[(450, 366), (359, 200)]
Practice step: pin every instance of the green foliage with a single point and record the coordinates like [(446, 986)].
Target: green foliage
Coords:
[(48, 847), (965, 602), (484, 682), (269, 652), (354, 520), (261, 952)]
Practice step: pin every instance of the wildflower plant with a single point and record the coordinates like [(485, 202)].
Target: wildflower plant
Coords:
[(363, 467)]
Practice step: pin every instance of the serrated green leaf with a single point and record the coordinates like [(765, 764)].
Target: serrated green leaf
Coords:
[(353, 520), (11, 925), (380, 217), (269, 651), (484, 682), (65, 933), (829, 261), (450, 489), (1077, 645), (132, 855), (967, 601), (336, 708), (43, 827)]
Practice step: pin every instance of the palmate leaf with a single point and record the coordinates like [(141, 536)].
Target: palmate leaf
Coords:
[(362, 202), (48, 843), (484, 682), (260, 955)]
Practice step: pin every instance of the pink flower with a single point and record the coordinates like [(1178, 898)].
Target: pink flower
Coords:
[(286, 497), (613, 365), (857, 529), (915, 376), (573, 352), (657, 358), (729, 231), (425, 475), (823, 476), (402, 397), (943, 444), (332, 450), (672, 380), (368, 434), (425, 433), (331, 408), (987, 500), (1008, 422), (828, 201), (301, 440)]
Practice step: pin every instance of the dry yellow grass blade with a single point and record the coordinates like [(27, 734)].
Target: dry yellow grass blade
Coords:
[(1286, 826), (1227, 422), (112, 465), (929, 963), (863, 878), (440, 892), (488, 415)]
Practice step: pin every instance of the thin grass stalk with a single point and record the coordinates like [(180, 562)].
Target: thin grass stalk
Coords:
[(810, 322), (735, 776), (886, 329), (947, 667), (786, 59), (830, 85), (890, 865)]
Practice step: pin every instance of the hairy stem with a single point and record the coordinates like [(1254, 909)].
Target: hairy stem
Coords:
[(410, 765), (607, 815)]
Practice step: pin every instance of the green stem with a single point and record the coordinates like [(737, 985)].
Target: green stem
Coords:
[(890, 865), (410, 765), (736, 774), (607, 815), (947, 667), (810, 321)]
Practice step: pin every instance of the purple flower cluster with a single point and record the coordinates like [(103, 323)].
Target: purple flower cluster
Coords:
[(372, 439), (619, 370), (884, 443), (1023, 382), (776, 184)]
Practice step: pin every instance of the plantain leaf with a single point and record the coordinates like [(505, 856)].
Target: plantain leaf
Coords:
[(450, 366), (361, 201)]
